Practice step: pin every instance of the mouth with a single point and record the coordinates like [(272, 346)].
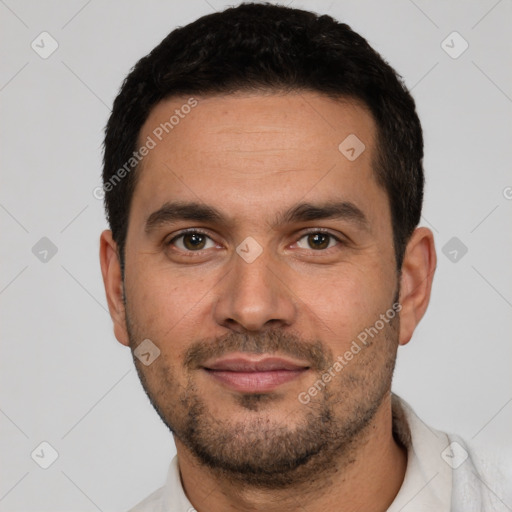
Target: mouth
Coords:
[(254, 375)]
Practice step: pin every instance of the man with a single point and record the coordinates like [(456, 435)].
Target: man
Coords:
[(264, 182)]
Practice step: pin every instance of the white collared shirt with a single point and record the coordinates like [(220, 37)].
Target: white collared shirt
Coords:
[(443, 474)]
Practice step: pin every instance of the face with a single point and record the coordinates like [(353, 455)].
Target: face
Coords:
[(252, 235)]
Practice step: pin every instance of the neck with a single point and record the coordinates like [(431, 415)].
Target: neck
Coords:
[(369, 481)]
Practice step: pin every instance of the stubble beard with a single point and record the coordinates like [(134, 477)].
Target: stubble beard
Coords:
[(262, 452)]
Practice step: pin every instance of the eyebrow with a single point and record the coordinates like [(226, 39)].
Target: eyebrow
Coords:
[(303, 212)]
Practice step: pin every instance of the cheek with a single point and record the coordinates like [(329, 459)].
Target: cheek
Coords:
[(164, 382), (348, 302), (168, 308), (154, 305)]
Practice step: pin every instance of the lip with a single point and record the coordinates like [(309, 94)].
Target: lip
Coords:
[(252, 364), (254, 375)]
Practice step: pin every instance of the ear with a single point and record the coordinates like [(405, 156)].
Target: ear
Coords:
[(416, 281), (112, 280)]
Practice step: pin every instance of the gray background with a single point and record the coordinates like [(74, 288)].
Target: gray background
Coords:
[(65, 379)]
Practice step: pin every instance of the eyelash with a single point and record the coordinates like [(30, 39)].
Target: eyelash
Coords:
[(304, 234)]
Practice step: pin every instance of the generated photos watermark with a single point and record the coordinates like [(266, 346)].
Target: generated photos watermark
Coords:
[(356, 346), (151, 142)]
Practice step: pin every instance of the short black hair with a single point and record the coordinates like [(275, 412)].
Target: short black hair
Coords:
[(264, 47)]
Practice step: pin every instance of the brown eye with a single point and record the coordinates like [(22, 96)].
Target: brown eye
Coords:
[(318, 240), (191, 241), (194, 241)]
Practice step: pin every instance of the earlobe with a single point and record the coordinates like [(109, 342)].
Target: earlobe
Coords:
[(112, 280), (416, 281)]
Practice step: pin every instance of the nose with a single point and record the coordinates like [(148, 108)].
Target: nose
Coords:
[(255, 296)]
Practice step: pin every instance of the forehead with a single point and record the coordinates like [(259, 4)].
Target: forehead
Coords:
[(257, 123), (244, 151)]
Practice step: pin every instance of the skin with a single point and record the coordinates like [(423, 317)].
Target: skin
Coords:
[(253, 156)]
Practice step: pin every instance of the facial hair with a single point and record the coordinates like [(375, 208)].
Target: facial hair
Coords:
[(260, 451)]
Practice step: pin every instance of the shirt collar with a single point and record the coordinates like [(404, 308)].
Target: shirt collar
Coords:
[(428, 478)]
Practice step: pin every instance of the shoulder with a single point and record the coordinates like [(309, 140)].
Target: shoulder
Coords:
[(468, 476), (480, 476)]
